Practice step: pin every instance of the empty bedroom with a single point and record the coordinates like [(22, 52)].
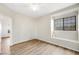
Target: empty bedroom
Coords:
[(39, 29)]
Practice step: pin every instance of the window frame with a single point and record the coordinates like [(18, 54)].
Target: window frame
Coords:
[(63, 24)]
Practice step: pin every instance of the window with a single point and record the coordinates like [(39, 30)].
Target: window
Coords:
[(70, 23), (59, 24), (67, 24)]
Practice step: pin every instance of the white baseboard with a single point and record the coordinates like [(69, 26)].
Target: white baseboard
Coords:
[(73, 45), (19, 42)]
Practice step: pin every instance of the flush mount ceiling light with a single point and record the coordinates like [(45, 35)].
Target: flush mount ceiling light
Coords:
[(34, 7)]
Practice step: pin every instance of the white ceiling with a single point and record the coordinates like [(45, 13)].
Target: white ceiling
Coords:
[(44, 8)]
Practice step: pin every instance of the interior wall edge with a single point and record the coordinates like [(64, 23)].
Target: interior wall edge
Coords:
[(20, 42)]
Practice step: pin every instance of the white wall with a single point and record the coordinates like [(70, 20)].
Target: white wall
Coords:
[(62, 38), (0, 36), (44, 28), (23, 26), (68, 39), (23, 29), (78, 28), (6, 23), (67, 35)]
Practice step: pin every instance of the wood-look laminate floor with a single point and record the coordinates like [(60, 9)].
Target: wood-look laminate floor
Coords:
[(36, 47)]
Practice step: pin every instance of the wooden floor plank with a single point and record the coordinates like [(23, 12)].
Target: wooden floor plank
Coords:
[(36, 47)]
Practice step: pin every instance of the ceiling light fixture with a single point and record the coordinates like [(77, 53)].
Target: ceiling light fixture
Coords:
[(34, 7)]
